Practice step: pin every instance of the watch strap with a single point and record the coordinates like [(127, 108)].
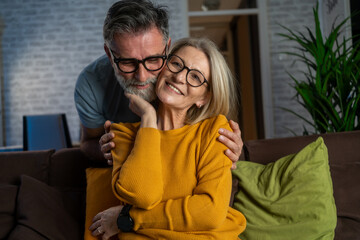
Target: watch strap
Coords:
[(125, 210), (124, 222)]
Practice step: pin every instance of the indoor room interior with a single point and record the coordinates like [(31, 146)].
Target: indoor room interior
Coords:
[(291, 179), (236, 34)]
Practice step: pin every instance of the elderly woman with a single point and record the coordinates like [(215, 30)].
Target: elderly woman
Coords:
[(170, 172)]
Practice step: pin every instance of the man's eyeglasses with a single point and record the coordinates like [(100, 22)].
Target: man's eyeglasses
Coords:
[(130, 65), (193, 77)]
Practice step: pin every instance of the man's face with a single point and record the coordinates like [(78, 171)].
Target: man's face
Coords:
[(139, 46)]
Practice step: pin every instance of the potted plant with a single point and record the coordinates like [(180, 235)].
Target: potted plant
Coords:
[(330, 88)]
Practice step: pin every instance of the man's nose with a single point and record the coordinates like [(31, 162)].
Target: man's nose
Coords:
[(142, 74)]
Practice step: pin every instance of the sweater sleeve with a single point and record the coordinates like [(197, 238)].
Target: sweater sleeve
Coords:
[(206, 208), (137, 169)]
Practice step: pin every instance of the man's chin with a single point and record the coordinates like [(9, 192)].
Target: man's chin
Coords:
[(147, 94)]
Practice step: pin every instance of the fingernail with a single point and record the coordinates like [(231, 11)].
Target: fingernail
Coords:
[(221, 137), (221, 130)]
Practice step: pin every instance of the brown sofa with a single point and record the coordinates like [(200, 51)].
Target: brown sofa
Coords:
[(43, 192)]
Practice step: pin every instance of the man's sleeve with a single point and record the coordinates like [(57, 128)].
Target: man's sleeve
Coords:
[(87, 102)]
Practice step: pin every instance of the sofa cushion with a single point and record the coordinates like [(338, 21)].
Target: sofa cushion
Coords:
[(40, 207), (67, 174), (31, 163), (67, 168), (8, 195), (99, 195), (347, 198), (291, 198), (24, 232)]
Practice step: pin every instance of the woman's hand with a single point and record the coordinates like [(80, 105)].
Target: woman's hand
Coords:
[(143, 109), (105, 223)]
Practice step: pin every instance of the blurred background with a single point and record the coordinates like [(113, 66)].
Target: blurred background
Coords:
[(44, 45)]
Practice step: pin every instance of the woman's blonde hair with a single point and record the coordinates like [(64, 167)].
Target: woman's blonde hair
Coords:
[(223, 97)]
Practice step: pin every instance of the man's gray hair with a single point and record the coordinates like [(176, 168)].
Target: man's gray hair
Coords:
[(133, 16)]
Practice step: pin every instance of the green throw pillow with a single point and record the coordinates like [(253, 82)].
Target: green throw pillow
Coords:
[(291, 198)]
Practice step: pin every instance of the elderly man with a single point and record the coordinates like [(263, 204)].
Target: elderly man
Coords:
[(136, 36)]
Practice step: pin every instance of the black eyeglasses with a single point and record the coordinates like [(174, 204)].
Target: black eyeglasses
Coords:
[(193, 77), (130, 65)]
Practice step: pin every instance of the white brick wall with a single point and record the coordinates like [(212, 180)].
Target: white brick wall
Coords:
[(45, 44), (294, 15)]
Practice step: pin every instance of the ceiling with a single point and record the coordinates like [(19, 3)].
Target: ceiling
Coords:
[(214, 27)]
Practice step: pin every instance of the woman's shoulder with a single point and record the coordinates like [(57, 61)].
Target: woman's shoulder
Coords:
[(218, 120), (212, 125)]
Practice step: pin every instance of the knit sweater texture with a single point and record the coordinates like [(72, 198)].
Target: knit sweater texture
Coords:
[(178, 181)]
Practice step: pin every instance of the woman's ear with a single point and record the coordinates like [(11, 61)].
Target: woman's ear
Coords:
[(204, 100)]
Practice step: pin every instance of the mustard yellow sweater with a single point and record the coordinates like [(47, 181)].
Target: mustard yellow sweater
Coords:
[(179, 181)]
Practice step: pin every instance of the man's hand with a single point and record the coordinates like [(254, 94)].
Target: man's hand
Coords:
[(105, 223), (232, 140), (106, 144)]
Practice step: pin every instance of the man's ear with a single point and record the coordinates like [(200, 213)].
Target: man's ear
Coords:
[(169, 43), (107, 51)]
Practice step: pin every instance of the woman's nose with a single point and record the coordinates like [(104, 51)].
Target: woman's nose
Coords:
[(180, 77)]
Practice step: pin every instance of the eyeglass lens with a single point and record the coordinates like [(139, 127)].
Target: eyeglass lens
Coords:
[(150, 63), (193, 77)]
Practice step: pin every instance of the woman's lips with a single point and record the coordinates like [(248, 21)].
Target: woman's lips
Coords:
[(175, 89)]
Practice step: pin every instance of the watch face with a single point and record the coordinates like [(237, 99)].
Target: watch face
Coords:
[(125, 223)]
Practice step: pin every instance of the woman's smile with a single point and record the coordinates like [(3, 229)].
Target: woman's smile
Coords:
[(173, 88)]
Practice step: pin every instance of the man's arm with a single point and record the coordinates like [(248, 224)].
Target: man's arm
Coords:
[(89, 143)]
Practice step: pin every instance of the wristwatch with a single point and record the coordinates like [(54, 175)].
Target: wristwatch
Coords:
[(124, 222)]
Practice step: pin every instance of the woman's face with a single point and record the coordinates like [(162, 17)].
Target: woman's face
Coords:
[(172, 88)]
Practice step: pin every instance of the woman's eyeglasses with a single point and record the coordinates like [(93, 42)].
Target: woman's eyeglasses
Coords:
[(193, 77)]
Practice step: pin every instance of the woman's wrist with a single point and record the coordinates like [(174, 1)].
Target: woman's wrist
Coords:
[(149, 119)]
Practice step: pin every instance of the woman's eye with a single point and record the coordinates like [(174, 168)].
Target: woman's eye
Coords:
[(196, 77), (177, 64)]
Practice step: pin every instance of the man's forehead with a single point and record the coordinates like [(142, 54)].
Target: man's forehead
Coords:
[(146, 42)]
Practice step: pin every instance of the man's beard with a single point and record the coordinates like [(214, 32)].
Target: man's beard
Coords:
[(128, 85)]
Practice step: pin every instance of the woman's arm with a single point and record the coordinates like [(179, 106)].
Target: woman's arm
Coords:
[(137, 170), (206, 208)]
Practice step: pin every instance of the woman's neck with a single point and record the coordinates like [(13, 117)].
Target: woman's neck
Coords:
[(168, 119)]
